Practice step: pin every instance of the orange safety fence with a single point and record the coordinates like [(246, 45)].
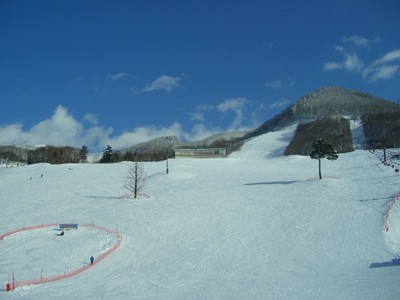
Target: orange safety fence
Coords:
[(389, 211), (25, 229), (17, 284)]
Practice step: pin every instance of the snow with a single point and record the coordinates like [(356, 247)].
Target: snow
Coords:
[(257, 225), (357, 133)]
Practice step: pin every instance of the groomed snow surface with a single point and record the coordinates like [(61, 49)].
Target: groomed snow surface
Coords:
[(257, 225)]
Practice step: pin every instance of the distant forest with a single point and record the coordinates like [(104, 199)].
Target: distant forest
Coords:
[(46, 154), (380, 130), (335, 131)]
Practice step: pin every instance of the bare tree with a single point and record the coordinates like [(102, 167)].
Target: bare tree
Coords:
[(135, 180)]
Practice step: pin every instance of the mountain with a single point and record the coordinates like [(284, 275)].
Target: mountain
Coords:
[(326, 102), (345, 118), (162, 147)]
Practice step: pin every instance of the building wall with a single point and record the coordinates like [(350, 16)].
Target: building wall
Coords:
[(200, 153)]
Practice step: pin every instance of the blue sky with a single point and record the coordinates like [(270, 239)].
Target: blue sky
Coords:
[(123, 72)]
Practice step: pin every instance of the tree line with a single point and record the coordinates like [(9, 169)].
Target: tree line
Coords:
[(110, 156), (45, 154), (57, 155), (382, 130), (336, 130)]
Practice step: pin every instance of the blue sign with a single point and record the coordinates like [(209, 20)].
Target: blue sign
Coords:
[(68, 226)]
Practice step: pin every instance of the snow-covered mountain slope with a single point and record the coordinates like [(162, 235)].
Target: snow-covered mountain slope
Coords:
[(357, 133), (245, 227), (269, 145)]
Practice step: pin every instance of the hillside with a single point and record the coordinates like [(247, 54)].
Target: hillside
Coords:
[(382, 130), (329, 113), (321, 113), (327, 102), (334, 130), (257, 225), (161, 148)]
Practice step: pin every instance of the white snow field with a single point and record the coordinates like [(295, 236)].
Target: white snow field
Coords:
[(257, 225)]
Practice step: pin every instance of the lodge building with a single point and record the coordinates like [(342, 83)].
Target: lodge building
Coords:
[(200, 153)]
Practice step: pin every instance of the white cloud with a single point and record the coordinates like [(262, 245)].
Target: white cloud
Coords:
[(237, 105), (232, 104), (339, 49), (96, 138), (91, 118), (385, 72), (204, 107), (360, 40), (196, 116), (277, 84), (389, 57), (117, 76), (143, 134), (383, 68), (200, 131), (62, 129), (279, 103), (329, 66), (199, 113), (351, 62), (11, 134), (245, 117), (164, 82)]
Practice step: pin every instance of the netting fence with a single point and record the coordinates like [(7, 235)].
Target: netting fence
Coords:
[(15, 284), (389, 211)]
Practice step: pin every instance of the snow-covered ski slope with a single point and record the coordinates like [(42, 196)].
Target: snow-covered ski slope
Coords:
[(257, 225)]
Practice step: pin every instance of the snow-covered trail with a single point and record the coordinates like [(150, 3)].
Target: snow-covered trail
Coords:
[(246, 227), (269, 145)]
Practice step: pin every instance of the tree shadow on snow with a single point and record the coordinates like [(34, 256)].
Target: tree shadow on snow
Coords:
[(103, 197), (392, 263), (273, 182), (374, 199), (371, 203), (157, 174)]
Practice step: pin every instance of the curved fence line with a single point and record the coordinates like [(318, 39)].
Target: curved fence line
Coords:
[(25, 229), (389, 211), (40, 280)]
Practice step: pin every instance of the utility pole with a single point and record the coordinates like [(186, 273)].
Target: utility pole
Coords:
[(384, 155), (168, 149)]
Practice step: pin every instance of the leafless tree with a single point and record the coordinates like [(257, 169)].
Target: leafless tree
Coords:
[(135, 180)]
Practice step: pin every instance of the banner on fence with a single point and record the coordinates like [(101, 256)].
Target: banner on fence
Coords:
[(68, 226)]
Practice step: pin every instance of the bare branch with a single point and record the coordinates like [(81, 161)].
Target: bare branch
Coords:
[(135, 180)]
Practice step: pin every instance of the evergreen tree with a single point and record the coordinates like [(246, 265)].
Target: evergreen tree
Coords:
[(322, 149), (83, 154), (107, 155), (128, 156)]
